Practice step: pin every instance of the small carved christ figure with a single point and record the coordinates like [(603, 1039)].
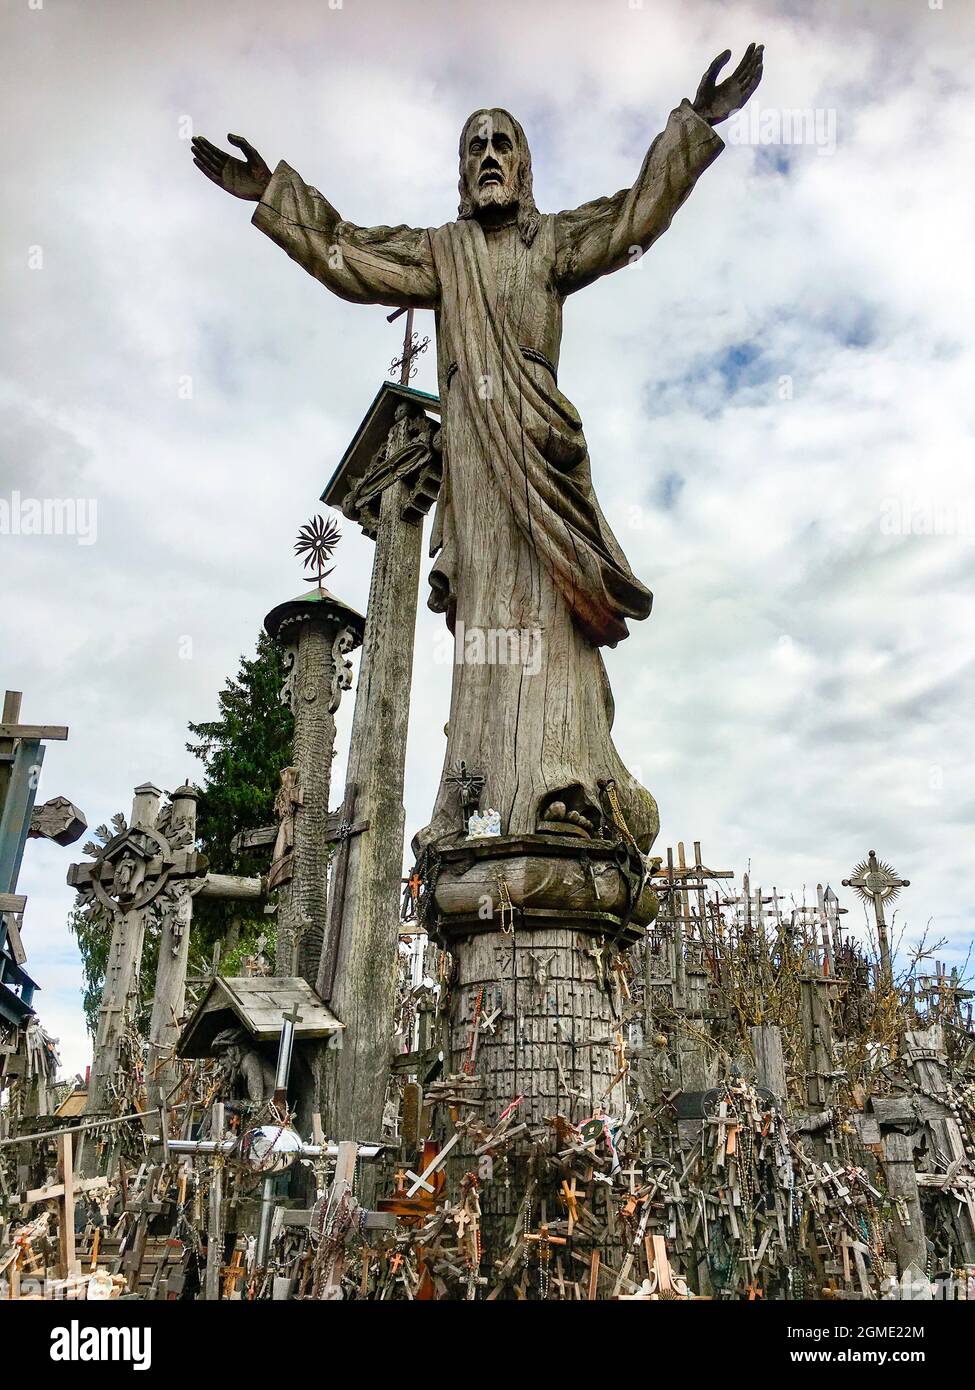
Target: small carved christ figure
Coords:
[(540, 969)]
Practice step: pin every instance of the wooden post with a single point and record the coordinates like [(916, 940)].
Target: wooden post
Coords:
[(66, 1247), (907, 1220), (118, 1002), (121, 988), (363, 993), (817, 1035), (342, 1182), (11, 715), (554, 1043), (21, 756), (22, 745), (769, 1061)]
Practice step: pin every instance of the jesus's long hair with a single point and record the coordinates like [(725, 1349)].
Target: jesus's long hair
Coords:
[(528, 218)]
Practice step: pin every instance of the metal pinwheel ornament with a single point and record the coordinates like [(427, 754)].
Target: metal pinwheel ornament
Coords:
[(316, 541)]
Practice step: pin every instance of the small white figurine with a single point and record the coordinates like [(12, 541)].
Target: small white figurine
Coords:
[(479, 826)]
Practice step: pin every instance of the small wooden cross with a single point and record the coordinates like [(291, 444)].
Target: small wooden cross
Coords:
[(510, 1108), (571, 1201), (622, 1063), (233, 1273), (65, 1191), (630, 1173), (543, 1234), (489, 1021), (469, 784), (622, 968)]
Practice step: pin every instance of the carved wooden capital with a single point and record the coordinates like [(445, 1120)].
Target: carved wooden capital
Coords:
[(410, 454)]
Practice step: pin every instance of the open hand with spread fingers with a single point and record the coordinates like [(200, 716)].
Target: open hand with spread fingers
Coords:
[(715, 100), (244, 178)]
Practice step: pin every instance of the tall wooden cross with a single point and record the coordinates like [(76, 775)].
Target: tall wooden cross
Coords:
[(681, 878), (66, 1192), (21, 756), (148, 866)]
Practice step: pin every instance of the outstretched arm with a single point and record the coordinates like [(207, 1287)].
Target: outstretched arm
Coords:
[(609, 233), (368, 265)]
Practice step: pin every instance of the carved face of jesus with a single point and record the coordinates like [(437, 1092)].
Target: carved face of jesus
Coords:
[(490, 162)]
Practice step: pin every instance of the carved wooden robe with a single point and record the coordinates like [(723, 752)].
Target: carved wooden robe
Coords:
[(527, 571)]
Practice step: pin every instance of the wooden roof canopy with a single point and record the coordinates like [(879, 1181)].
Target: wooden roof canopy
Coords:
[(257, 1004), (369, 436)]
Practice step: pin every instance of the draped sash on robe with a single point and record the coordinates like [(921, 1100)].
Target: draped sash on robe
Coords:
[(529, 440)]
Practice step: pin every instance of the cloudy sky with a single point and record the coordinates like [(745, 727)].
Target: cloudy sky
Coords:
[(778, 399)]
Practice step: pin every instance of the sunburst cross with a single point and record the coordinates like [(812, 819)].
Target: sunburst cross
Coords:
[(316, 541)]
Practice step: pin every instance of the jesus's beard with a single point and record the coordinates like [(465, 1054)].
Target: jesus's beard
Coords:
[(495, 200)]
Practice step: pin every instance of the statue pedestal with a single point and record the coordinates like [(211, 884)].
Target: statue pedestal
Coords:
[(552, 881), (536, 1004)]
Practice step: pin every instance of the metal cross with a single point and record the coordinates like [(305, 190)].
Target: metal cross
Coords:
[(878, 883), (469, 786), (412, 347)]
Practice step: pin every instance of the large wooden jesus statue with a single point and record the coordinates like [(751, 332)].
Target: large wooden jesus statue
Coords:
[(527, 571)]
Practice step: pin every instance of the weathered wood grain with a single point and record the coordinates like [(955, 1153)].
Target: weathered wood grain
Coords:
[(354, 1076)]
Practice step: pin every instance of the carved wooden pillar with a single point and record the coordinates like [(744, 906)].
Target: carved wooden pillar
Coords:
[(536, 1008), (147, 871), (318, 632), (176, 914), (387, 492)]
